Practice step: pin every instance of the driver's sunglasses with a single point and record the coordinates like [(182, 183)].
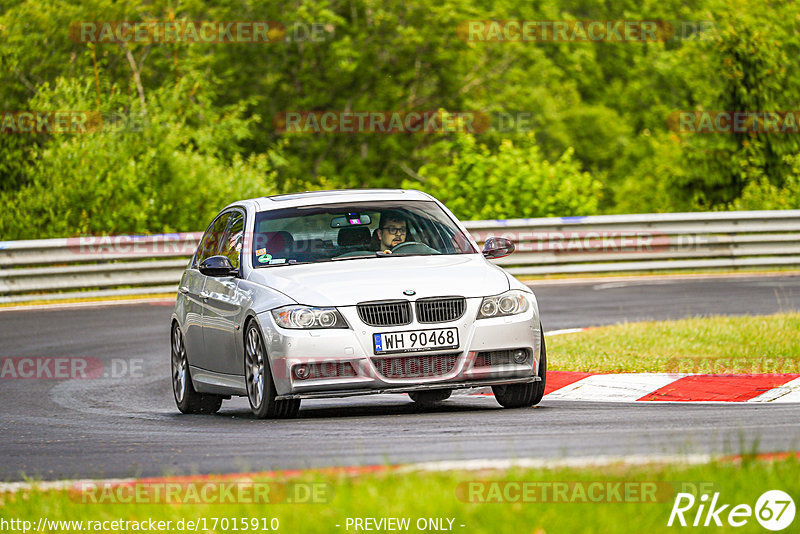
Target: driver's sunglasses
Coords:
[(394, 230)]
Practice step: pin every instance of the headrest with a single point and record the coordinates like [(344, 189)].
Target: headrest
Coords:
[(273, 242), (353, 236)]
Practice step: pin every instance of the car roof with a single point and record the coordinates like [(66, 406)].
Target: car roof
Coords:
[(311, 198)]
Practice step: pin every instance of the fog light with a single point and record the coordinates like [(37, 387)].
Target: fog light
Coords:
[(520, 356), (302, 372)]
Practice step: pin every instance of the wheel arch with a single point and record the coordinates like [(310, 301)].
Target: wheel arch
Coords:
[(249, 317)]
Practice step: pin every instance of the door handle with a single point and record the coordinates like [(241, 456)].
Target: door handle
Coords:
[(204, 295), (184, 290)]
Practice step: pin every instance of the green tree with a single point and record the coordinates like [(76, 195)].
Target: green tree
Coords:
[(512, 182), (168, 168)]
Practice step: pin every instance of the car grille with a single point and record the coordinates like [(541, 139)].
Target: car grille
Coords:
[(387, 313), (416, 366), (440, 310), (331, 370), (489, 359)]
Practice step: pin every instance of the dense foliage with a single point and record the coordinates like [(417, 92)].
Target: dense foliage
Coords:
[(191, 126)]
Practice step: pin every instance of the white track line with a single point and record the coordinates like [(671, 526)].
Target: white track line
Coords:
[(651, 277), (557, 463), (564, 331)]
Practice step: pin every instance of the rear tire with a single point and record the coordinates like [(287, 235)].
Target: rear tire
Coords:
[(428, 398), (186, 398), (258, 375), (522, 395)]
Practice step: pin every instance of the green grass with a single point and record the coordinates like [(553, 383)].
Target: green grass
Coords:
[(444, 495), (747, 344)]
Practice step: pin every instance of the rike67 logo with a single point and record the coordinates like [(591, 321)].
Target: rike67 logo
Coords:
[(774, 510)]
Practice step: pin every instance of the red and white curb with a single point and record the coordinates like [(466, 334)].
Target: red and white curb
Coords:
[(669, 387), (673, 387), (666, 387)]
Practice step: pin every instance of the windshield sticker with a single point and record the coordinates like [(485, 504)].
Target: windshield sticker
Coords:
[(265, 258), (277, 260), (261, 252)]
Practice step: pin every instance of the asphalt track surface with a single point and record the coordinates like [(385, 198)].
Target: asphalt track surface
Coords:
[(53, 429)]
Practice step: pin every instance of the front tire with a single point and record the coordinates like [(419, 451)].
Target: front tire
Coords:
[(522, 395), (186, 398), (258, 376)]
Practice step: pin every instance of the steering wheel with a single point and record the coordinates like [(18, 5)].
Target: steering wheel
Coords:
[(406, 243), (412, 243)]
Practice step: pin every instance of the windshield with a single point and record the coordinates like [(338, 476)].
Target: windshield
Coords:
[(331, 232)]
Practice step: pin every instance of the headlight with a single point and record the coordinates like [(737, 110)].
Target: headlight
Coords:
[(308, 317), (509, 303)]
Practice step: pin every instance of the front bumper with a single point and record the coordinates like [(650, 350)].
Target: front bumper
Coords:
[(354, 346), (409, 389)]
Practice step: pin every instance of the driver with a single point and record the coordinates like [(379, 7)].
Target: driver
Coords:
[(392, 230)]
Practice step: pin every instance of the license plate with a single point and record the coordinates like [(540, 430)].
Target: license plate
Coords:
[(416, 340)]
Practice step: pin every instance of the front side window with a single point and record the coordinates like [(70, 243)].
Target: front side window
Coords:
[(209, 244), (332, 232), (232, 241)]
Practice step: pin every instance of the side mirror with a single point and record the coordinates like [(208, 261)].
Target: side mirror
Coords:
[(497, 247), (217, 266)]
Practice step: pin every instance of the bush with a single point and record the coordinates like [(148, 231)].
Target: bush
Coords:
[(764, 195), (512, 181), (164, 171)]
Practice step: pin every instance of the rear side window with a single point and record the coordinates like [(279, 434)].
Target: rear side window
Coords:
[(209, 244)]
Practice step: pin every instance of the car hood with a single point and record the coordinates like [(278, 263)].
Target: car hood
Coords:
[(348, 282)]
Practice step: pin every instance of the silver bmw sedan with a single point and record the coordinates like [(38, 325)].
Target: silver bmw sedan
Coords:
[(341, 293)]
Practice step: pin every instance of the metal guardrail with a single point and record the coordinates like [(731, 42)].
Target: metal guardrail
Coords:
[(129, 265)]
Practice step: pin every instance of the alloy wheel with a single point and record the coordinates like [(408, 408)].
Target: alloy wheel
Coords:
[(179, 364), (255, 367)]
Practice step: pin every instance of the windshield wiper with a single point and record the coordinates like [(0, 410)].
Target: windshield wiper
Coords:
[(284, 264), (357, 256)]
